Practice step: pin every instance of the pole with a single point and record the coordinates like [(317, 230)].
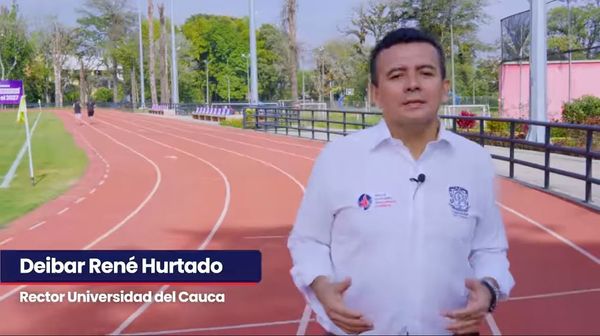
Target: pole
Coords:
[(254, 74), (143, 94), (28, 135), (452, 61), (537, 60), (174, 74), (569, 40)]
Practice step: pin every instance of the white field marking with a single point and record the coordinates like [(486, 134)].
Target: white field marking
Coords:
[(6, 241), (92, 191), (242, 143), (207, 240), (206, 129), (305, 317), (101, 183), (33, 227), (229, 327), (304, 320), (553, 234), (79, 200), (492, 324), (142, 204), (11, 174), (63, 211), (554, 294), (265, 237)]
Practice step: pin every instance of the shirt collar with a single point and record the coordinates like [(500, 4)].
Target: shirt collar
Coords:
[(381, 134)]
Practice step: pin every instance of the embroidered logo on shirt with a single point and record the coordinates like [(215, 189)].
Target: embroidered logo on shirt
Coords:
[(383, 200), (364, 201), (459, 200)]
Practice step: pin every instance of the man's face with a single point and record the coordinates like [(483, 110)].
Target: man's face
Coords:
[(410, 87)]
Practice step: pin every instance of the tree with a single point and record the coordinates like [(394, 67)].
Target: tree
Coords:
[(110, 22), (163, 59), (288, 15), (273, 64), (15, 49), (59, 44), (584, 30), (151, 50)]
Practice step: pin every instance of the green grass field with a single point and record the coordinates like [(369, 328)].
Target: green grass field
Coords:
[(58, 163)]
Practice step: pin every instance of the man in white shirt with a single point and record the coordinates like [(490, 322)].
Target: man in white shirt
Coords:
[(398, 231)]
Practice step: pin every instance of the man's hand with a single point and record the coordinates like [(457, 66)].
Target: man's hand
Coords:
[(331, 297), (467, 320)]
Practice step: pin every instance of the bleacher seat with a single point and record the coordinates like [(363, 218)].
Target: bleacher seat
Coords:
[(212, 113)]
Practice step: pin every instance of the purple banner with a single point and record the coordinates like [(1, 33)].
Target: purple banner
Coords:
[(11, 92)]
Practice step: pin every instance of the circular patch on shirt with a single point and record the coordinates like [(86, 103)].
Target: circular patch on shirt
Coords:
[(365, 201)]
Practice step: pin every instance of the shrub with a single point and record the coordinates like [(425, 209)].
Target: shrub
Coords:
[(498, 127), (580, 109), (466, 123), (103, 95), (238, 122)]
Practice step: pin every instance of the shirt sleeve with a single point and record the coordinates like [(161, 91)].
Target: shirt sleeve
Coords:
[(310, 239), (489, 250)]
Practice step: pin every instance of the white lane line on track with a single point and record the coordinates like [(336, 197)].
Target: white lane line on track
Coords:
[(125, 220), (33, 227), (229, 327), (305, 316), (206, 241), (554, 294), (553, 234), (239, 142), (6, 241), (63, 211)]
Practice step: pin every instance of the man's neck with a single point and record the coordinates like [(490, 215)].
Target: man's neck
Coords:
[(416, 138)]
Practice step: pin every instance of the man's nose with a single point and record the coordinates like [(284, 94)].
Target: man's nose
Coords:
[(413, 83)]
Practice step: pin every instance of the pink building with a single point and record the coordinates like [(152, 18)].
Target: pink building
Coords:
[(514, 97)]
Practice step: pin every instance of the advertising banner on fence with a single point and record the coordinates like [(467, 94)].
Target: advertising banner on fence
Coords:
[(11, 92)]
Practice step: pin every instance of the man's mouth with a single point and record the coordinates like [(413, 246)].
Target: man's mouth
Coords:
[(414, 103)]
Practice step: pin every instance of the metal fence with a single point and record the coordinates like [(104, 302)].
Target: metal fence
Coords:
[(510, 133)]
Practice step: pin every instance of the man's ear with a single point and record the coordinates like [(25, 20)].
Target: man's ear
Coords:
[(374, 90), (445, 90)]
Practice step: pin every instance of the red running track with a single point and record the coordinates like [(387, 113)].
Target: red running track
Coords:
[(159, 183)]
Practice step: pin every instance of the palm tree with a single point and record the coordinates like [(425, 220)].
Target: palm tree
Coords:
[(151, 65), (288, 15)]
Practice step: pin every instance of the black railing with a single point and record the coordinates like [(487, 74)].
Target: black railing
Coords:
[(578, 140)]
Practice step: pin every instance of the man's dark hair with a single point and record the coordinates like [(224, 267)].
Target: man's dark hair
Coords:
[(400, 36)]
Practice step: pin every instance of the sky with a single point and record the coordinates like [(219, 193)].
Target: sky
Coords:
[(318, 20)]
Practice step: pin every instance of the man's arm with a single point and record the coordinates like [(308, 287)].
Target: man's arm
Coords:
[(488, 255), (309, 241)]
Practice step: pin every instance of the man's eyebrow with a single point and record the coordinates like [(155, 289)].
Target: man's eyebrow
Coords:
[(403, 68), (396, 68), (426, 66)]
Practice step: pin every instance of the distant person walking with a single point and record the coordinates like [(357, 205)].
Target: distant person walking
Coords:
[(77, 110), (90, 109)]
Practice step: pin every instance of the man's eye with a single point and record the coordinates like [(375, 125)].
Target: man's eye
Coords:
[(428, 74)]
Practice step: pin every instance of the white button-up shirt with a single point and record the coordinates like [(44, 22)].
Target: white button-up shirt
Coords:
[(407, 246)]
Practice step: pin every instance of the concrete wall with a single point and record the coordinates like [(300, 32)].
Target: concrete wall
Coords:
[(585, 80)]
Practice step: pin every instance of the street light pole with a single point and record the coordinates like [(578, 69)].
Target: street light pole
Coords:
[(569, 40), (174, 74), (143, 94), (254, 86)]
